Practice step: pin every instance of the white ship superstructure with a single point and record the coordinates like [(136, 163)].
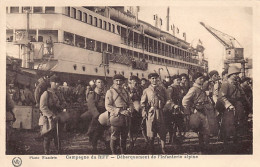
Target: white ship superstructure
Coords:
[(95, 41)]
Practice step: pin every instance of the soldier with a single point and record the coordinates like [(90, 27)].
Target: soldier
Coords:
[(50, 107), (29, 99), (152, 103), (135, 93), (117, 103), (80, 91), (43, 84), (196, 105), (96, 106), (10, 119), (224, 76), (175, 116), (144, 83), (185, 85), (233, 97), (214, 85)]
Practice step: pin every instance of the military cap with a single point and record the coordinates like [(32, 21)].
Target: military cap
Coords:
[(118, 76), (143, 79), (197, 75), (54, 78), (213, 72), (233, 70), (184, 75), (176, 76), (153, 75), (133, 77)]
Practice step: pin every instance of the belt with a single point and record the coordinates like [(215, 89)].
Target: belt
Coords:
[(202, 103), (123, 108)]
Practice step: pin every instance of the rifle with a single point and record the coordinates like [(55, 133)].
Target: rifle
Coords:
[(167, 71)]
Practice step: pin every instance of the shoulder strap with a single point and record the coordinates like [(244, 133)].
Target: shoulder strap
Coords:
[(48, 93), (121, 96)]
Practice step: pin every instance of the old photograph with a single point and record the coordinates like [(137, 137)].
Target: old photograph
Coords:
[(129, 80)]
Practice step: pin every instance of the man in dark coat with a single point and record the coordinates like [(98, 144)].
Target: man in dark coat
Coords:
[(96, 106), (152, 102), (135, 93), (174, 114), (196, 105), (232, 97)]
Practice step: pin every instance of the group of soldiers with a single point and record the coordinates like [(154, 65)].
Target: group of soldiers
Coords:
[(211, 106)]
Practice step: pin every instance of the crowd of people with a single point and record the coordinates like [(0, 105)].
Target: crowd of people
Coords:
[(207, 104)]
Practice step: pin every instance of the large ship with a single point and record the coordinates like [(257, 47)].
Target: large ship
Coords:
[(89, 42)]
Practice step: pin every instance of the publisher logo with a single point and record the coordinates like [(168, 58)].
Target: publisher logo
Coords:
[(17, 161)]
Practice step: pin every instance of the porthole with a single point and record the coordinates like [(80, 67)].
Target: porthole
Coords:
[(115, 71), (75, 67)]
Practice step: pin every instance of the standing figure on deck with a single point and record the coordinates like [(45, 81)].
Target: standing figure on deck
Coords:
[(233, 98), (174, 114), (196, 104), (96, 106), (117, 103), (152, 103), (50, 107)]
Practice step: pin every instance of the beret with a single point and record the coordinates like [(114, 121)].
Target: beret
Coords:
[(133, 77), (143, 79), (118, 76), (213, 72), (176, 76), (153, 75), (54, 78), (184, 75), (197, 75)]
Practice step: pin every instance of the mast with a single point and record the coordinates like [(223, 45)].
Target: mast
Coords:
[(168, 19)]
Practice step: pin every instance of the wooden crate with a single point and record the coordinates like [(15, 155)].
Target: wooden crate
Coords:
[(27, 117)]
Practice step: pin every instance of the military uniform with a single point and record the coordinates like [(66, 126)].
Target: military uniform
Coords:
[(10, 118), (115, 104), (233, 121), (214, 87), (96, 106), (153, 101), (174, 116), (50, 106), (197, 105), (135, 94)]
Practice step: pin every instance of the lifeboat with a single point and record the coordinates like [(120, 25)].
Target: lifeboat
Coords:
[(122, 17), (170, 38), (184, 44), (149, 29)]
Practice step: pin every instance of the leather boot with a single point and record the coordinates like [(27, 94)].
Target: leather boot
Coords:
[(46, 145), (123, 146), (151, 147), (113, 144), (163, 146)]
